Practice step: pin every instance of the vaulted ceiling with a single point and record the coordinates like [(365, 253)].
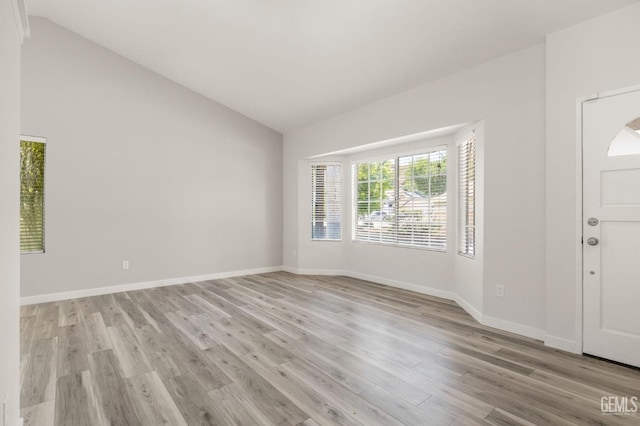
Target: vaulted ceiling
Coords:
[(287, 63)]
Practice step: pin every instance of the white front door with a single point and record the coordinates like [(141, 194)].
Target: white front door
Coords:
[(611, 227)]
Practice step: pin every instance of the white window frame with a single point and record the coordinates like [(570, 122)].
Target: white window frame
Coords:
[(396, 155), (337, 214), (467, 147)]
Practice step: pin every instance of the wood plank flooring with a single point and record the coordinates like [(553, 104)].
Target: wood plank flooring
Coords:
[(281, 349)]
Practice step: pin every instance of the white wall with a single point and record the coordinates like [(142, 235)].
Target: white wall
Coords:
[(532, 231), (432, 270), (422, 268), (508, 93), (597, 56), (321, 256), (9, 211), (142, 169), (531, 228), (74, 91)]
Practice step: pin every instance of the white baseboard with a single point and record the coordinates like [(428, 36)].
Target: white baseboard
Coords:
[(54, 297), (297, 271), (513, 327), (505, 325), (562, 344), (290, 269), (524, 330), (429, 291), (476, 314)]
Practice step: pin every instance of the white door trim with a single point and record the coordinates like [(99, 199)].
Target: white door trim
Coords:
[(21, 17), (579, 304)]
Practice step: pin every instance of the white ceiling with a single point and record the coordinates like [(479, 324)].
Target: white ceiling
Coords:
[(287, 63)]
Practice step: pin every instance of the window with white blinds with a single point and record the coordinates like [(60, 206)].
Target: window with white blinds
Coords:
[(32, 166), (467, 197), (326, 203), (402, 200)]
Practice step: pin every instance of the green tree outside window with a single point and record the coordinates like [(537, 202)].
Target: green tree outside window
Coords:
[(32, 160)]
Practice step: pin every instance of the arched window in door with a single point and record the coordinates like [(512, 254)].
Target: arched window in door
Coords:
[(627, 141)]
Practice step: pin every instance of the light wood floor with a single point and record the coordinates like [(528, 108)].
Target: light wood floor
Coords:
[(287, 350)]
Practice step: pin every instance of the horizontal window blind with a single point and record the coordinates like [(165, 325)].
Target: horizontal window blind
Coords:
[(326, 202), (32, 167), (402, 200), (467, 197)]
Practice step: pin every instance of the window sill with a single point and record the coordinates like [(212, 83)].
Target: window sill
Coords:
[(468, 256), (373, 243)]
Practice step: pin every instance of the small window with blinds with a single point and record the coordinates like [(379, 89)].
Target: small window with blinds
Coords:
[(326, 207), (467, 197), (402, 201), (32, 167)]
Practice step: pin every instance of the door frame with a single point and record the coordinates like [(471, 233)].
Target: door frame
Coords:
[(579, 264)]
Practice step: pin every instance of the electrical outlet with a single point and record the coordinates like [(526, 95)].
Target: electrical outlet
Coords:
[(125, 265), (500, 290)]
